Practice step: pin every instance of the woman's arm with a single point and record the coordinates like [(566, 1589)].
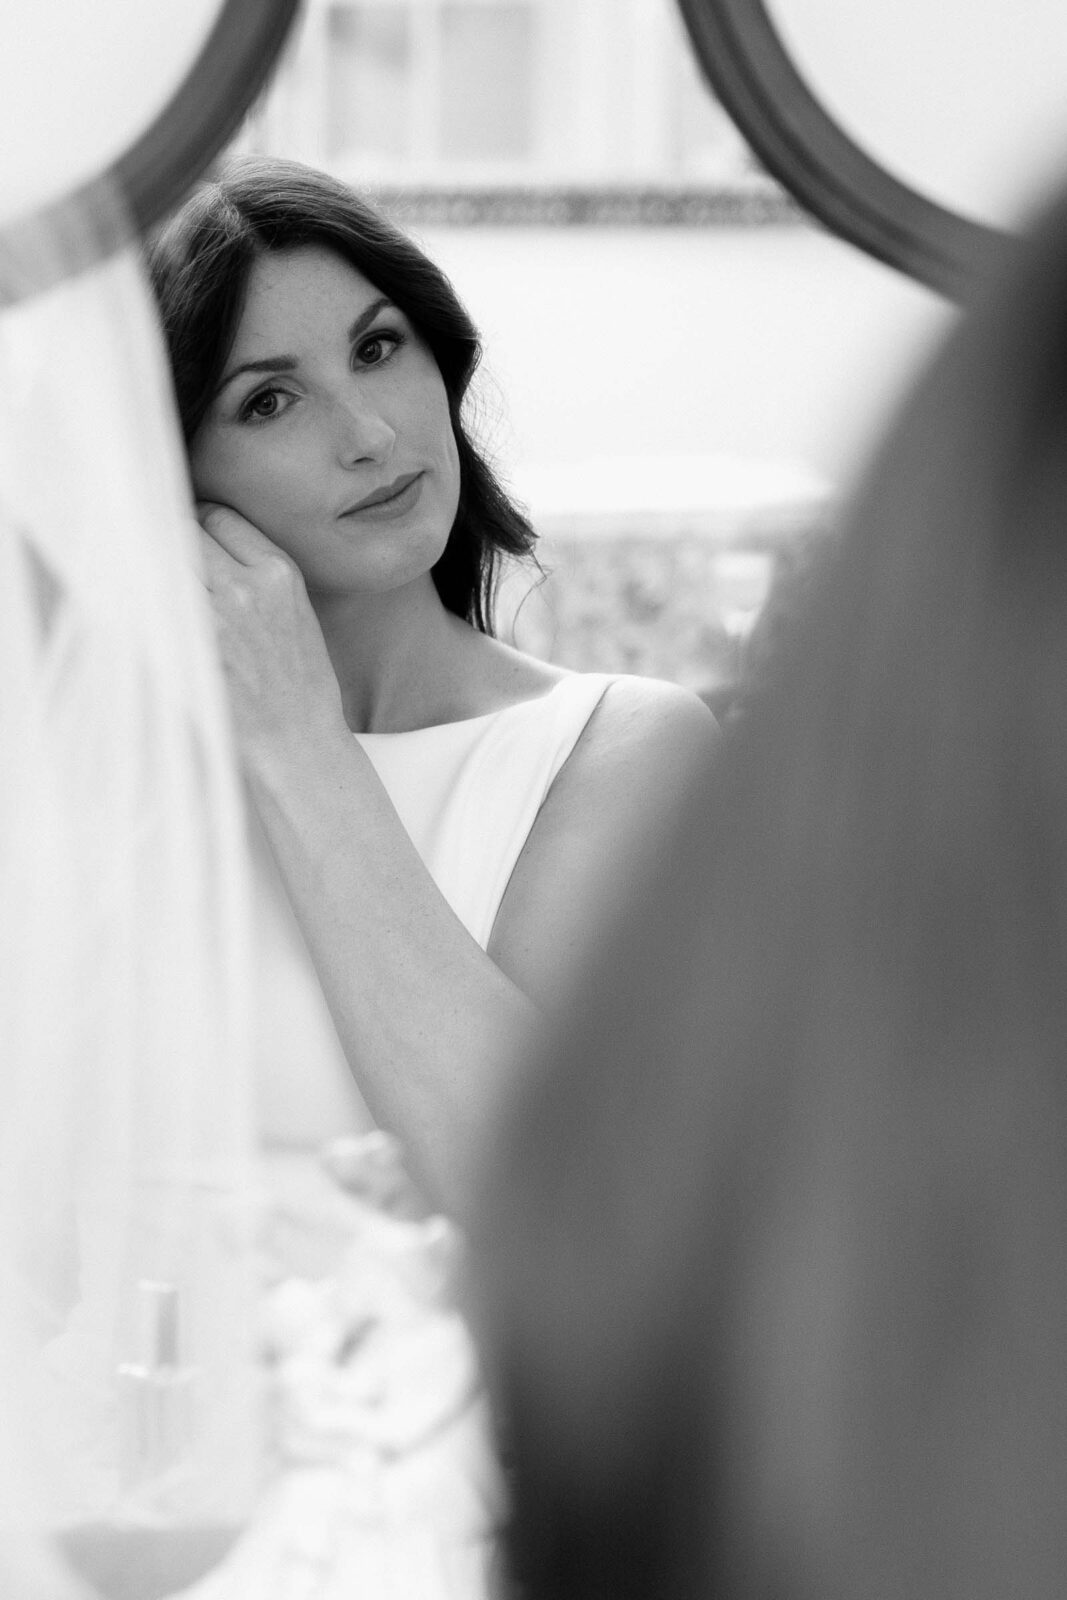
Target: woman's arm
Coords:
[(427, 1021)]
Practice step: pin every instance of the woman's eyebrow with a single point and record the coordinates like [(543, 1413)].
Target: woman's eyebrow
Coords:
[(290, 363), (268, 364), (367, 316)]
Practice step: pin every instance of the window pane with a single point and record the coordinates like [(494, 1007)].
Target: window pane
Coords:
[(709, 147), (368, 75), (488, 64)]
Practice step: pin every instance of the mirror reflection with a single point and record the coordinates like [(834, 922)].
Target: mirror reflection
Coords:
[(435, 663)]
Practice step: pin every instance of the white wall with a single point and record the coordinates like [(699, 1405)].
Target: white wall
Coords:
[(775, 343)]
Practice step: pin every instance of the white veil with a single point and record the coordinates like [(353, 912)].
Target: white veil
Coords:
[(125, 1117)]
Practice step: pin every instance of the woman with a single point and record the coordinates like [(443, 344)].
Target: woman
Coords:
[(352, 535), (446, 815), (787, 1315)]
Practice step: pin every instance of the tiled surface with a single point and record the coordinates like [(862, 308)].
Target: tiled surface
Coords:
[(671, 602)]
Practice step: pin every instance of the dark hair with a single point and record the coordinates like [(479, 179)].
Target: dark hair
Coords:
[(200, 262), (775, 1274)]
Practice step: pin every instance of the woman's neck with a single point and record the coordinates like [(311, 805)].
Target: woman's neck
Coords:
[(399, 656)]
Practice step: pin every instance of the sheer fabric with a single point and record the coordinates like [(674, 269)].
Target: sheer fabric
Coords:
[(125, 1143)]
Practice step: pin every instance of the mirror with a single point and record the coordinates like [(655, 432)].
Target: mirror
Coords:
[(964, 103), (69, 121), (920, 133)]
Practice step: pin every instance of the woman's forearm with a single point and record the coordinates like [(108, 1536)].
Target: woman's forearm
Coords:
[(428, 1023)]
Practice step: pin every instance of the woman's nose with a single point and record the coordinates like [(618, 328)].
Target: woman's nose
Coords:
[(362, 433)]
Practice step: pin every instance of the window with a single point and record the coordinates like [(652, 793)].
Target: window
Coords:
[(469, 93), (414, 90)]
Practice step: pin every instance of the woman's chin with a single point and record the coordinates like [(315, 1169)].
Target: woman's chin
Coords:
[(379, 568)]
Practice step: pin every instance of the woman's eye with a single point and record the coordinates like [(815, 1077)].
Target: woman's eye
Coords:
[(377, 348), (262, 406)]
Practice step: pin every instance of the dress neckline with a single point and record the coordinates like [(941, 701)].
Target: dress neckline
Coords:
[(469, 722)]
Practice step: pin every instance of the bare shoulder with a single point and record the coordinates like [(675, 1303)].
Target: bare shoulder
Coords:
[(644, 723), (644, 746), (643, 749), (633, 704)]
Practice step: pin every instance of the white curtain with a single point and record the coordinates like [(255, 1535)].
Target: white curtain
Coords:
[(125, 1104)]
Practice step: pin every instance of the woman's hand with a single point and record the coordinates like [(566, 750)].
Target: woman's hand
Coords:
[(281, 682)]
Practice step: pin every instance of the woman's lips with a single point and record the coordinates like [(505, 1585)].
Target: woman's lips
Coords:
[(395, 499)]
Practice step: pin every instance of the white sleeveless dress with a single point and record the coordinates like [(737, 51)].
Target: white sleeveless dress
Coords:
[(384, 1482), (468, 792)]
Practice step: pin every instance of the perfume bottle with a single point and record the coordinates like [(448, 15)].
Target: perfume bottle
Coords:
[(160, 1534), (156, 1395)]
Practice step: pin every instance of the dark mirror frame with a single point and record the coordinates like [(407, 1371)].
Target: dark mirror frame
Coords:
[(749, 69), (163, 163)]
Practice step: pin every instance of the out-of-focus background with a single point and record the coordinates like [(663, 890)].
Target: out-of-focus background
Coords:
[(682, 373)]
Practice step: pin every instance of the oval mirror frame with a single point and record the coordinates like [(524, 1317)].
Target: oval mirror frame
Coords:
[(745, 61), (167, 158)]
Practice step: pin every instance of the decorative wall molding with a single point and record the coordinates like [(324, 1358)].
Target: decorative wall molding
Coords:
[(758, 203)]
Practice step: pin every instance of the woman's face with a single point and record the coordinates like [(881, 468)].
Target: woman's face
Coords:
[(330, 429)]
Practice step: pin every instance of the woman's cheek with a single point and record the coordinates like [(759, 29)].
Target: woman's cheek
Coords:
[(264, 492), (217, 475)]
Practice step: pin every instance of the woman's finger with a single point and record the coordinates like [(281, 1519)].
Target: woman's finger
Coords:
[(240, 538), (217, 566)]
